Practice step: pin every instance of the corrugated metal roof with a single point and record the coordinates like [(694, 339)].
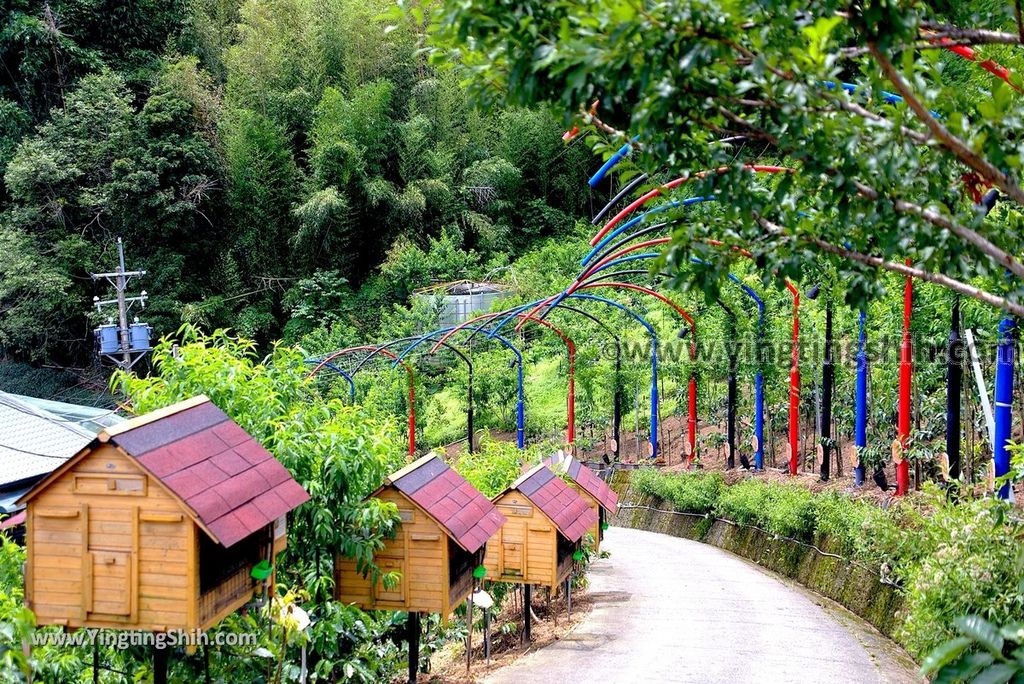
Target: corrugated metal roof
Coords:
[(34, 442), (88, 417)]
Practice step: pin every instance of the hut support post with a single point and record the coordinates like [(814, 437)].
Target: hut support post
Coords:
[(487, 635), (469, 631), (95, 662), (568, 596), (413, 637), (160, 664), (527, 603)]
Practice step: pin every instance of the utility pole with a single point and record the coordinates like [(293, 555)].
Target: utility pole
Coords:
[(123, 344)]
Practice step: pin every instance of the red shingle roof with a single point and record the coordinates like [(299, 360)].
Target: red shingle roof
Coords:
[(466, 514), (558, 501), (234, 485), (586, 478)]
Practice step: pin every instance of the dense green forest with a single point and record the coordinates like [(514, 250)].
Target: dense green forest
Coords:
[(276, 167)]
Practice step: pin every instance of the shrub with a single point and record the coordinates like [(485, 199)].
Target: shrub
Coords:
[(975, 568), (781, 509), (689, 492)]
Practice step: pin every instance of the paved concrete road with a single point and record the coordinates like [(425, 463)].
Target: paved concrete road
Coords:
[(675, 610)]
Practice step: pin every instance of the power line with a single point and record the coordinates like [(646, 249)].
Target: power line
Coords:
[(33, 453), (11, 403)]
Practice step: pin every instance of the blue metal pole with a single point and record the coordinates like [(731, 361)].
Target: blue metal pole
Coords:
[(861, 401), (654, 397), (520, 403), (1004, 400), (758, 377), (520, 410), (339, 371)]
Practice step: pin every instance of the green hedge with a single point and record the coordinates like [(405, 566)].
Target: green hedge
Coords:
[(952, 558)]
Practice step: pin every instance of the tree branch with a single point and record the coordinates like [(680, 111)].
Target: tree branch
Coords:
[(974, 36), (920, 274), (854, 108), (903, 269), (966, 234), (958, 147), (1017, 16)]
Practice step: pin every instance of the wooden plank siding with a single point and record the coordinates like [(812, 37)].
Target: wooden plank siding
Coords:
[(418, 553), (109, 547), (527, 539)]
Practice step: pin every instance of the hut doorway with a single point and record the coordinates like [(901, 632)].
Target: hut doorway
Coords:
[(110, 583)]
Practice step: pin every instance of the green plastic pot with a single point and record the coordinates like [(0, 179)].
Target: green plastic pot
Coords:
[(261, 570)]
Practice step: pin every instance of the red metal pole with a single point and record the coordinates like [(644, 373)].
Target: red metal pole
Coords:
[(906, 372), (794, 385)]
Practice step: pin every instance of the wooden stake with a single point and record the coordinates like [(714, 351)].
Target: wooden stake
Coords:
[(160, 664), (469, 631), (413, 636), (527, 603)]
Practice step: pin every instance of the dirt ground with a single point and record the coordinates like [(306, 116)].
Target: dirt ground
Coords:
[(672, 445), (549, 624)]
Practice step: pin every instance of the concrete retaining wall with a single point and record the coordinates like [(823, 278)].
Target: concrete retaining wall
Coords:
[(856, 587)]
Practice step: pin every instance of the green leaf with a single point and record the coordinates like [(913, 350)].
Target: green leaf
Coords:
[(982, 631), (1014, 632), (944, 654), (1000, 673), (964, 668)]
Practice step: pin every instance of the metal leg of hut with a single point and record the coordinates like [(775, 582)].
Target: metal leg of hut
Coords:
[(469, 630), (487, 635), (160, 664), (568, 596), (413, 636), (527, 602), (95, 662)]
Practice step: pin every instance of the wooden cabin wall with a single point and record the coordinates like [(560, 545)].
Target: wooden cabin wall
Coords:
[(527, 537), (109, 547), (419, 553)]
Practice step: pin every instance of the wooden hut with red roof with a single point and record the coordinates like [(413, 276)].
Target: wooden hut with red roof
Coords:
[(595, 491), (546, 521), (445, 526), (156, 524)]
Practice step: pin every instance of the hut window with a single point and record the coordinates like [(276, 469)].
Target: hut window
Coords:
[(217, 563), (565, 547), (125, 485), (406, 515), (520, 511), (459, 560)]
